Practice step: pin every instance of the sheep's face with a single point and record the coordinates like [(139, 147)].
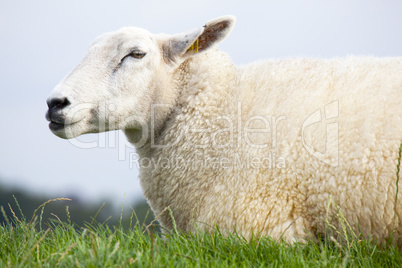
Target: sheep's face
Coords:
[(111, 88), (122, 75)]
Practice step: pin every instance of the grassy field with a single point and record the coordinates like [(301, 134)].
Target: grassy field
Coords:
[(62, 244), (25, 243)]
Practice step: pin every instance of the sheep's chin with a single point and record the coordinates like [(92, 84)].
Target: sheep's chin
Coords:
[(68, 131)]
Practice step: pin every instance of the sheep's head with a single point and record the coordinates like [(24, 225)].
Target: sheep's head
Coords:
[(122, 75)]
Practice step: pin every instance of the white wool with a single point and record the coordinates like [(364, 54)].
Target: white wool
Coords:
[(274, 147)]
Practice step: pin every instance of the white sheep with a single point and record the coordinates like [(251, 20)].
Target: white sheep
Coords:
[(274, 148)]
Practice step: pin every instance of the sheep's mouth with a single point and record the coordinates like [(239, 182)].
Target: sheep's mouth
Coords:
[(54, 126), (57, 122), (58, 126)]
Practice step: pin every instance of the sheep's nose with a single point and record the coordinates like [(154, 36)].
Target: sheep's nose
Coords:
[(58, 103)]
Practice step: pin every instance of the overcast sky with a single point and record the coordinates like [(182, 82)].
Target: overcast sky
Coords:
[(41, 41)]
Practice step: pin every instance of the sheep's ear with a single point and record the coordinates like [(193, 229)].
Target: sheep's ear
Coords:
[(199, 40)]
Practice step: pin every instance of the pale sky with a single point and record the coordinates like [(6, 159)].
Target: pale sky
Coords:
[(41, 41)]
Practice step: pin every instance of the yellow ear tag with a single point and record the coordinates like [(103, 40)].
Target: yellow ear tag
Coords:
[(194, 47)]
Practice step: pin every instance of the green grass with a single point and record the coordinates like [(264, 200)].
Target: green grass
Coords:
[(23, 243)]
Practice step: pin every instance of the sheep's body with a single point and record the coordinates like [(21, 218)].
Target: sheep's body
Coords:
[(274, 148), (285, 191)]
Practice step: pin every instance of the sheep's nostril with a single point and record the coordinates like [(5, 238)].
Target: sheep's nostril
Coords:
[(58, 103)]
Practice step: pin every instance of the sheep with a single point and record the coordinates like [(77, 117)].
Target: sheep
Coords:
[(277, 148)]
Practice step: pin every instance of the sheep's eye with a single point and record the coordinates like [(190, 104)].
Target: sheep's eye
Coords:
[(137, 54)]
